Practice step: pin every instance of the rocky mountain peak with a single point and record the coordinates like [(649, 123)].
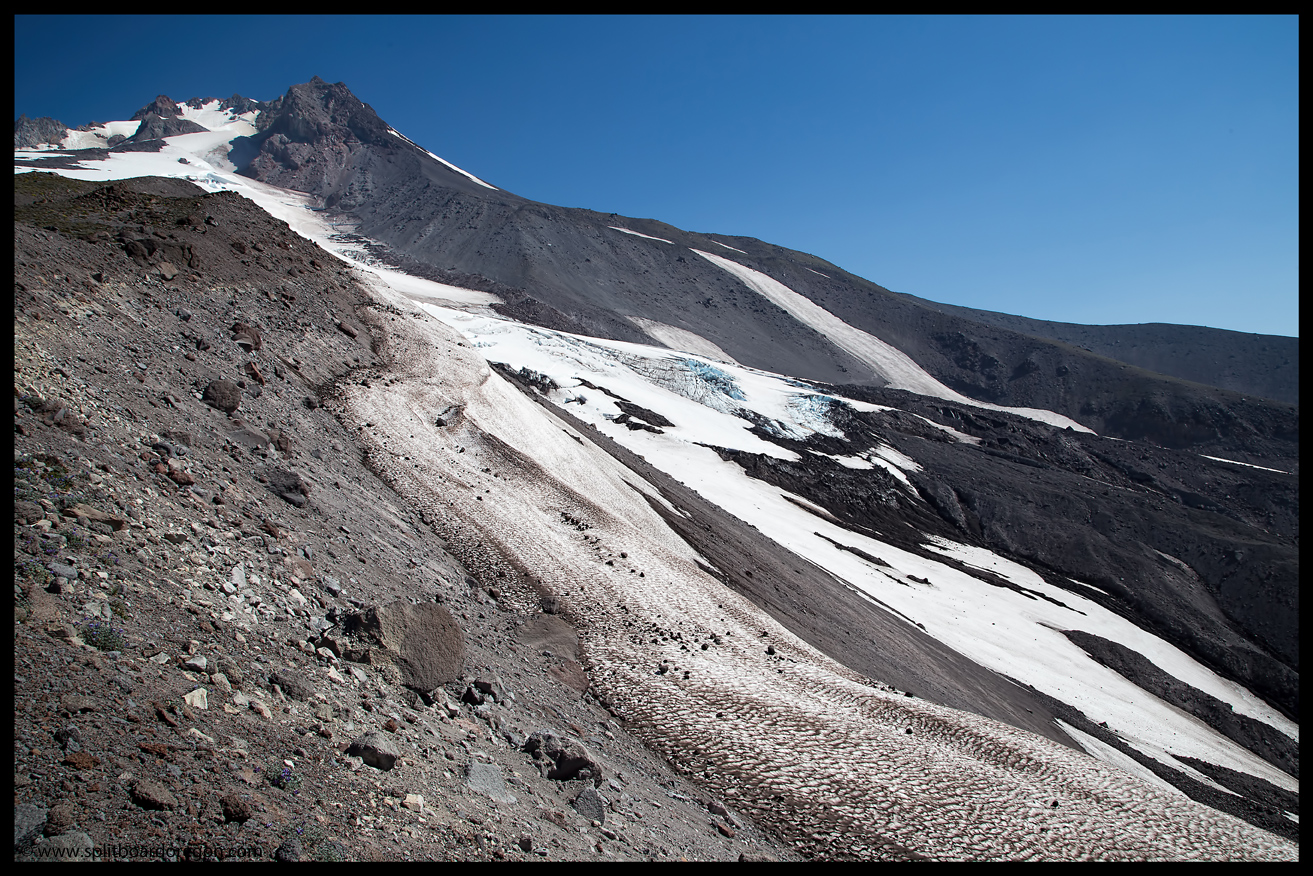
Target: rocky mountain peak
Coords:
[(316, 111), (162, 106), (321, 139), (236, 103), (150, 134), (37, 132)]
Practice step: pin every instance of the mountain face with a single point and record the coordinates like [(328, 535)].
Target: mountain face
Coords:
[(31, 133), (573, 268), (565, 262), (692, 442)]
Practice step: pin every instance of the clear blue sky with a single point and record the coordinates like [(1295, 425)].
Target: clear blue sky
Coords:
[(1097, 170)]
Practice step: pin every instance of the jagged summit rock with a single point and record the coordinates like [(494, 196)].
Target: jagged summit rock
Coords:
[(323, 140), (162, 106), (154, 128), (30, 133), (235, 104), (313, 111), (314, 139)]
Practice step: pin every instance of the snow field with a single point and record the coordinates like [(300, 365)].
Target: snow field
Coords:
[(998, 628), (811, 742), (681, 339), (639, 234)]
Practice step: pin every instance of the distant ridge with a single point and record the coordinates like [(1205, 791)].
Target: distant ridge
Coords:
[(1262, 365)]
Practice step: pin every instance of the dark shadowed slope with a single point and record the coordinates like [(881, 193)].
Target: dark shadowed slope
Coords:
[(1253, 364)]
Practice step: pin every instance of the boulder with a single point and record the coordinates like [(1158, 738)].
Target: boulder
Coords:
[(29, 821), (235, 808), (152, 795), (375, 748), (223, 395), (589, 804), (247, 336), (563, 758), (486, 778), (290, 851), (63, 817), (288, 485), (292, 685), (27, 512), (95, 515), (419, 646)]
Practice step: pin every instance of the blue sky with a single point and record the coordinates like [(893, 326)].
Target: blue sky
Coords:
[(1096, 170)]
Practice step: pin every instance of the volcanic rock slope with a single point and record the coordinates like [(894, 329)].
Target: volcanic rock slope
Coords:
[(1134, 600), (213, 651)]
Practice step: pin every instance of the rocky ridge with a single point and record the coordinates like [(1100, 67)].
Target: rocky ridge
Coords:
[(211, 586), (31, 133)]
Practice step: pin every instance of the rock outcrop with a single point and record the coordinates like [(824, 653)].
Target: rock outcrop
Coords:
[(420, 646)]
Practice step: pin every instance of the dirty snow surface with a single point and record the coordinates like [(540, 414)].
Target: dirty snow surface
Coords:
[(785, 733), (877, 773)]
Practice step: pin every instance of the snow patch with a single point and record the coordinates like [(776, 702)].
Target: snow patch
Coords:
[(902, 460), (638, 234), (1245, 464), (437, 158), (681, 339), (1115, 757), (886, 362), (961, 437)]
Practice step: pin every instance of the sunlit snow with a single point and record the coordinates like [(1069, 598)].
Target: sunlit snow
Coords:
[(998, 628), (681, 339), (1246, 464), (638, 233), (886, 362)]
